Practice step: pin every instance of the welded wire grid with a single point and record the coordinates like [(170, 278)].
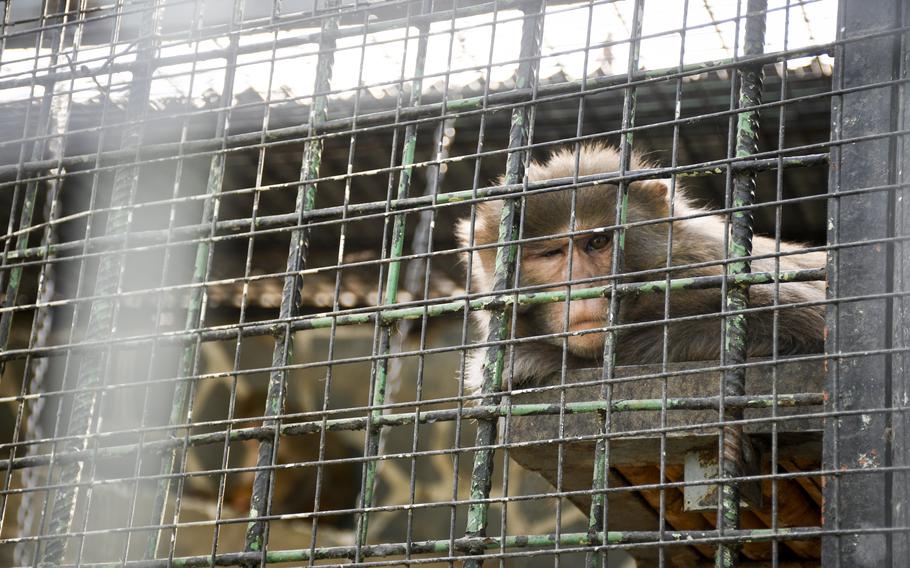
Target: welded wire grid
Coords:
[(235, 317)]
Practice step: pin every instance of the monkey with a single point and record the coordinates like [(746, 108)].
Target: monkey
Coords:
[(698, 248)]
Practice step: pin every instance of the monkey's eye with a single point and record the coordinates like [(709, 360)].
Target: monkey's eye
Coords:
[(597, 242), (552, 252)]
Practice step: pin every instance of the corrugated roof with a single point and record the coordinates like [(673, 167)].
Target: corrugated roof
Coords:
[(477, 49)]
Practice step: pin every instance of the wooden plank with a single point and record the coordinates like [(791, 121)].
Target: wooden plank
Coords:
[(809, 484), (676, 516)]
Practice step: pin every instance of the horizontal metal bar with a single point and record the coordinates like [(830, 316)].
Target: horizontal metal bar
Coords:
[(394, 118), (477, 545), (617, 489), (462, 197), (429, 417), (444, 308)]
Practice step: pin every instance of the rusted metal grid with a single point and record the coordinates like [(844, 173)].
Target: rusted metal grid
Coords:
[(109, 379)]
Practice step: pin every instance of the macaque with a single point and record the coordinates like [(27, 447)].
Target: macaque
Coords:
[(695, 241)]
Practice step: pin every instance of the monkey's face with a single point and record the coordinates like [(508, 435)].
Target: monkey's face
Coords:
[(587, 258), (587, 216)]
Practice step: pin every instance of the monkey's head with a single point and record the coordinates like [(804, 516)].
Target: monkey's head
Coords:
[(548, 260)]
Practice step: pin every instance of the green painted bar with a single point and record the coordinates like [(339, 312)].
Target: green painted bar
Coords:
[(196, 303), (381, 366), (478, 545), (599, 513), (426, 417), (503, 275), (739, 246), (260, 501)]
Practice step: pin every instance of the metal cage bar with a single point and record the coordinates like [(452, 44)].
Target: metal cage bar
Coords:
[(733, 443), (174, 460), (598, 518), (260, 502), (189, 362), (101, 317), (380, 372), (856, 383), (503, 276)]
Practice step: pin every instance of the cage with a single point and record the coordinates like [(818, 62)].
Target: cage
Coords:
[(299, 282)]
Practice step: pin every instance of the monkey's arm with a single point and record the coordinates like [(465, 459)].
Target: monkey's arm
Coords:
[(799, 330), (526, 366)]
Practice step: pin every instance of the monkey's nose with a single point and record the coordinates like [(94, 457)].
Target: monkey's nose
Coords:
[(593, 311)]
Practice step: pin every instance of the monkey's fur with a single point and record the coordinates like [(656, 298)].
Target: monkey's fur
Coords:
[(695, 241)]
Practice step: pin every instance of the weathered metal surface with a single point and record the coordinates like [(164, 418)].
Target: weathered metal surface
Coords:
[(380, 371), (188, 363), (101, 322), (857, 381), (503, 276), (260, 501), (739, 249), (900, 361), (598, 517), (703, 466), (635, 436)]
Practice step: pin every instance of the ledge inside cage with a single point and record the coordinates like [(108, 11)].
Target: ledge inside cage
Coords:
[(687, 434)]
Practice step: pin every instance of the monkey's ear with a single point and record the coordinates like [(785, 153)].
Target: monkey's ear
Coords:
[(656, 192)]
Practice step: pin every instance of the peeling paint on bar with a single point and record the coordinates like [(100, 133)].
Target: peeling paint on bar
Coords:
[(598, 517), (478, 545), (381, 367), (503, 274), (260, 500), (739, 247)]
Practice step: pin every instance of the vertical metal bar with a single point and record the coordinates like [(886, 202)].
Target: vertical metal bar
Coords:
[(855, 382), (665, 335), (503, 275), (55, 36), (900, 391), (52, 119), (775, 322), (739, 248), (82, 283), (336, 292), (101, 316), (197, 300), (579, 131), (33, 379), (481, 136), (599, 513), (260, 501), (390, 296)]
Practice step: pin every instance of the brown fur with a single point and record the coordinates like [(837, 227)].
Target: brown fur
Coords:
[(694, 241)]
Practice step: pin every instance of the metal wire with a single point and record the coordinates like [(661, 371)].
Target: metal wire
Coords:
[(215, 348)]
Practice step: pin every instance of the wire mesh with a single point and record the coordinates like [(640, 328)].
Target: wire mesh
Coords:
[(439, 282)]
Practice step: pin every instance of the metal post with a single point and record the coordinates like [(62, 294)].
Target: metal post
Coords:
[(900, 391), (855, 379), (598, 518), (504, 273), (101, 316), (260, 501), (739, 248)]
